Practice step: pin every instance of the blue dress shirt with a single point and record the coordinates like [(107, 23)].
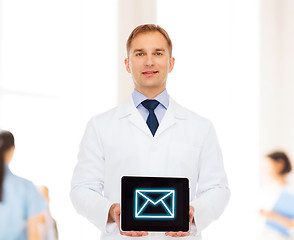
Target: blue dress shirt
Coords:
[(21, 200), (162, 98)]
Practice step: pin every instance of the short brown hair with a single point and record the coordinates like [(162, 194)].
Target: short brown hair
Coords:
[(149, 28), (280, 156)]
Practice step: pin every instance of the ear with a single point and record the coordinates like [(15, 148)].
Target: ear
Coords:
[(171, 64), (127, 64)]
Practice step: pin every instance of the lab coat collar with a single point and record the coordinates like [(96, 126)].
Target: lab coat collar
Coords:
[(173, 114)]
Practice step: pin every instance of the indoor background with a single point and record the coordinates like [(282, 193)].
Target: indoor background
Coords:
[(62, 61)]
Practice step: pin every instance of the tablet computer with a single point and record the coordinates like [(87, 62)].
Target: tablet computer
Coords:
[(154, 204)]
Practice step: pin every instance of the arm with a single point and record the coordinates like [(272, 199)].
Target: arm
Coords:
[(212, 193), (114, 216), (270, 215), (33, 227), (35, 208), (88, 184), (88, 179)]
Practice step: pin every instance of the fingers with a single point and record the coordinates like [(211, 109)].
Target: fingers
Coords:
[(143, 233), (134, 234), (177, 234), (116, 212), (191, 211), (180, 233), (261, 211), (191, 214)]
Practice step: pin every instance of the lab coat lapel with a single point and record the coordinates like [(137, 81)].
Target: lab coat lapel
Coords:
[(139, 122), (173, 114), (129, 110), (171, 117)]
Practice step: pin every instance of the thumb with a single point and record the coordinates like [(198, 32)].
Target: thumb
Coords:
[(191, 211), (116, 212)]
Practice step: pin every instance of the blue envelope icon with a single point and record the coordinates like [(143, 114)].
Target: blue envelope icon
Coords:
[(155, 203)]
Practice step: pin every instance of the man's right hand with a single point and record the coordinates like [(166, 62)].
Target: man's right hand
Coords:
[(114, 216)]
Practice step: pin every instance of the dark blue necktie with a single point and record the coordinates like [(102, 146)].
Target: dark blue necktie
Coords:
[(152, 121)]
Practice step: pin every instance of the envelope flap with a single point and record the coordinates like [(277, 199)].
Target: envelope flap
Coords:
[(155, 196)]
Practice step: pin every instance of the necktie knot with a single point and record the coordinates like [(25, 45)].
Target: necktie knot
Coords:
[(150, 104)]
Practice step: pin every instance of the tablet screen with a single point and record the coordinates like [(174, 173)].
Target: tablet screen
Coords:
[(158, 204)]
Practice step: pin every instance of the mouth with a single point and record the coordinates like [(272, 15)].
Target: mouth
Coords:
[(149, 73)]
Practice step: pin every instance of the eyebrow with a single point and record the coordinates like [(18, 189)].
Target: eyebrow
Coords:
[(142, 50), (138, 50), (160, 50)]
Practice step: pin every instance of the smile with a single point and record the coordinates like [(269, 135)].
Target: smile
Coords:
[(149, 73)]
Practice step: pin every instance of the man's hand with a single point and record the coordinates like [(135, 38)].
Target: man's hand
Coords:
[(180, 233), (114, 216)]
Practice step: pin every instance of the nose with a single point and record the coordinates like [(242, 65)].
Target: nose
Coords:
[(149, 60)]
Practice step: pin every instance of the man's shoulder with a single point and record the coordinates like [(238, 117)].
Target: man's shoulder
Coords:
[(187, 113), (113, 113), (104, 116), (109, 112)]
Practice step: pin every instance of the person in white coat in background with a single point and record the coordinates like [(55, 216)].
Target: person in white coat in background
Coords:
[(130, 140)]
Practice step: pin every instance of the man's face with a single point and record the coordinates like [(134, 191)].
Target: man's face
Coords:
[(149, 61)]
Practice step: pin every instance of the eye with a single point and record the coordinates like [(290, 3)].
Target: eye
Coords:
[(139, 54), (158, 54)]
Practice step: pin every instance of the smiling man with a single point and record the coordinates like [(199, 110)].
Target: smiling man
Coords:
[(149, 61), (149, 135)]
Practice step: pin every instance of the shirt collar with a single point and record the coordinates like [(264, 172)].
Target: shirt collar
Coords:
[(163, 98), (7, 170)]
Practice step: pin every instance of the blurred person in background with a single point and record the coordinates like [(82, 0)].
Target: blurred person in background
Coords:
[(48, 228), (21, 205), (280, 217)]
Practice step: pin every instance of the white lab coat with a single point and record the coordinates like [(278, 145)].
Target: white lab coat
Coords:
[(119, 143)]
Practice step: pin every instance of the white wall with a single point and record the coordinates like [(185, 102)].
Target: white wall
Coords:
[(277, 76), (58, 68), (216, 74)]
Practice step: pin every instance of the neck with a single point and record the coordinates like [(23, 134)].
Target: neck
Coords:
[(150, 93), (281, 179)]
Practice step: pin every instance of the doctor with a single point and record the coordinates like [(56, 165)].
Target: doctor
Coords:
[(148, 135)]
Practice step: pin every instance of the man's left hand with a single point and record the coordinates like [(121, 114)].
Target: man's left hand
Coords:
[(180, 233)]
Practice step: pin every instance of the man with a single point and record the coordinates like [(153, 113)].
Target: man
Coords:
[(148, 138)]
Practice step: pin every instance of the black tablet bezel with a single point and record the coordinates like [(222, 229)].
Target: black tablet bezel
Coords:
[(181, 219)]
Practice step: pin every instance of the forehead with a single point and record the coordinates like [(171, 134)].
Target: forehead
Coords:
[(149, 40)]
